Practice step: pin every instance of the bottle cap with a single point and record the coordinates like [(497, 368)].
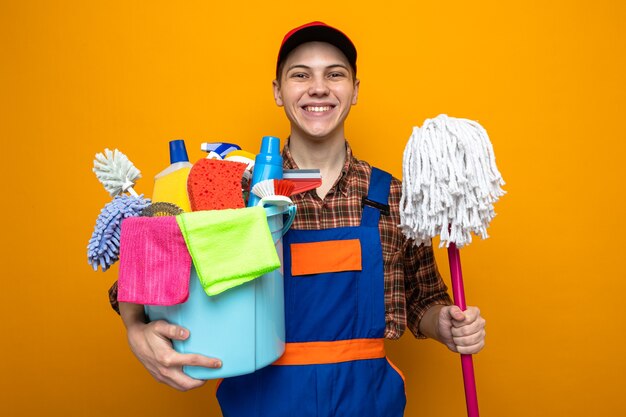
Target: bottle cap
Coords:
[(178, 152), (271, 145)]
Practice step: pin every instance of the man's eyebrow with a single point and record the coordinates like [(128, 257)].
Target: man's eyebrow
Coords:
[(308, 68)]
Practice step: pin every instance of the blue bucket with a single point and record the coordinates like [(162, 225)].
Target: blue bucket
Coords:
[(244, 327)]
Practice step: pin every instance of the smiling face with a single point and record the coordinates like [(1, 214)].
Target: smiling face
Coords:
[(317, 89)]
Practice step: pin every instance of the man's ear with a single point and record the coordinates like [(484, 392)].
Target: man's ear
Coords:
[(355, 96), (277, 95)]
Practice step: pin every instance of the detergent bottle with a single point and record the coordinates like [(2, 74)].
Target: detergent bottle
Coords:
[(170, 185), (268, 164)]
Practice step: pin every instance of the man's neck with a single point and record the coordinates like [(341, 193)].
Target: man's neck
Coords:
[(328, 155)]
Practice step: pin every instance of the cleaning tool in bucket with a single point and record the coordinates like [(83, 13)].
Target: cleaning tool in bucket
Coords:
[(161, 208), (450, 183), (303, 179), (117, 174), (248, 159), (228, 247), (170, 185), (268, 165), (218, 150), (214, 184), (155, 264), (275, 192)]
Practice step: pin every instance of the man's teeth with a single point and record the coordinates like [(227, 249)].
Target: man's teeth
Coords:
[(317, 109)]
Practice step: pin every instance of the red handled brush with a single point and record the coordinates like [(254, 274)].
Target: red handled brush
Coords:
[(303, 179), (274, 192)]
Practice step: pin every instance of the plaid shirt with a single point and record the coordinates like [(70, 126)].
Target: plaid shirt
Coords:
[(412, 281)]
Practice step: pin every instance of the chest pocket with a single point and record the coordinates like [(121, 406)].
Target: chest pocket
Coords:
[(325, 257)]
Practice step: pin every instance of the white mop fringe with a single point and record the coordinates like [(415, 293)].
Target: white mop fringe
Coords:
[(450, 182)]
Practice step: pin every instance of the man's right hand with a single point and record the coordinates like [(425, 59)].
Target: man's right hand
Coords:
[(152, 344)]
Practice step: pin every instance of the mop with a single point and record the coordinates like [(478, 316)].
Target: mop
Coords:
[(450, 183)]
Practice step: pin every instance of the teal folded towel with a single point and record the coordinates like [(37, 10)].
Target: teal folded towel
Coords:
[(228, 247)]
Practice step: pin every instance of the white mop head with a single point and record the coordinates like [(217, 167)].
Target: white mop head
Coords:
[(450, 182), (115, 171)]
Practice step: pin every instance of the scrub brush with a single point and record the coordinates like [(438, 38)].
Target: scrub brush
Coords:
[(274, 192), (116, 172), (160, 209)]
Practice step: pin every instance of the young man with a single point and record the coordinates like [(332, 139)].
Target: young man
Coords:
[(339, 308)]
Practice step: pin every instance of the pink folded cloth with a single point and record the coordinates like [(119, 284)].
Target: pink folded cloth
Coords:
[(155, 265)]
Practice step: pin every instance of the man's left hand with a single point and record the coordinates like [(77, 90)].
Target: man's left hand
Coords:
[(461, 331)]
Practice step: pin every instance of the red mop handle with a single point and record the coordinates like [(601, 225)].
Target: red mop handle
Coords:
[(458, 292)]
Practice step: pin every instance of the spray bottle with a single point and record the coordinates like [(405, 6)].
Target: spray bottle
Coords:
[(170, 185), (268, 164)]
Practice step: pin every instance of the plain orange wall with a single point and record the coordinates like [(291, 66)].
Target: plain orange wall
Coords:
[(546, 79)]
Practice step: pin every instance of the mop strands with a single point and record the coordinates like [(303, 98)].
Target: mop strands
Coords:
[(117, 174), (450, 182)]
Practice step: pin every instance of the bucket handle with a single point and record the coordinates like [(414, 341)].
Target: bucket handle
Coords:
[(274, 210)]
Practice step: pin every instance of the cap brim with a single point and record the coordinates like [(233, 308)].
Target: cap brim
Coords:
[(319, 34)]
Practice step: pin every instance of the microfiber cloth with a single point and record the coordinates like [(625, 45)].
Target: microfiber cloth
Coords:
[(155, 265), (229, 247)]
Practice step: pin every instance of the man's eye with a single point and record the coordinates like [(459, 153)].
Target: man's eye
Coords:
[(336, 75), (298, 75)]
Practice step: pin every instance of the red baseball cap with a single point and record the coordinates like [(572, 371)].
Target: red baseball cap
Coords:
[(316, 32)]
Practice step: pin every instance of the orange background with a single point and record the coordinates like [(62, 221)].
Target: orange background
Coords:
[(546, 79)]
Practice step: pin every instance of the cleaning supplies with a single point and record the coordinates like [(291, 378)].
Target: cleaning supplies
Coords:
[(248, 159), (303, 179), (228, 247), (170, 185), (155, 264), (450, 182), (218, 150), (214, 184), (244, 326), (104, 245), (268, 164), (118, 175), (276, 192), (161, 208)]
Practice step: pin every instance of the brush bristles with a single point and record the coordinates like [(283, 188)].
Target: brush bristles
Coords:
[(268, 188), (115, 171), (283, 187)]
